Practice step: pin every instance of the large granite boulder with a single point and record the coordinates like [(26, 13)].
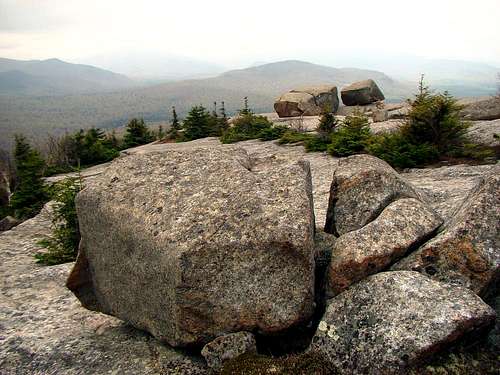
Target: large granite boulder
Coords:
[(192, 244), (482, 108), (361, 93), (485, 133), (467, 251), (309, 101), (362, 187), (8, 222), (227, 347), (402, 225), (393, 320)]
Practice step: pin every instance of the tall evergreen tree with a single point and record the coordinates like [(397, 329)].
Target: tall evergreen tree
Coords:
[(29, 194), (137, 134), (223, 120), (175, 127), (246, 110), (197, 123)]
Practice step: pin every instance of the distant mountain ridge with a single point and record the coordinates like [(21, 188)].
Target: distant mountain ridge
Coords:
[(56, 77)]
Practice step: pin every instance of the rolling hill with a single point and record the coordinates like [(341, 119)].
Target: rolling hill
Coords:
[(56, 77), (38, 115)]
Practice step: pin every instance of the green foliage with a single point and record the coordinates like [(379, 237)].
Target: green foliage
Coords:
[(62, 246), (29, 194), (399, 152), (250, 126), (198, 124), (317, 144), (136, 134), (351, 138), (327, 125), (175, 127), (435, 119), (246, 110), (293, 136)]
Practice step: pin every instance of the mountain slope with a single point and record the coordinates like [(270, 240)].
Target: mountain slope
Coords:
[(56, 77), (262, 84)]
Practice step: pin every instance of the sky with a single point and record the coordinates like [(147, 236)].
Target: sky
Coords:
[(235, 33)]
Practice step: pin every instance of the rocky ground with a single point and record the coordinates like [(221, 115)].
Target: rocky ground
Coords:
[(44, 329)]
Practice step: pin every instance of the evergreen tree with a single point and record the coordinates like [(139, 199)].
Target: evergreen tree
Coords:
[(29, 194), (197, 123), (136, 134), (160, 134), (175, 127), (223, 120), (246, 110)]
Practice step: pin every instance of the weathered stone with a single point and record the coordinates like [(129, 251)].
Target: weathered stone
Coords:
[(485, 133), (393, 320), (4, 189), (227, 347), (467, 251), (482, 108), (200, 244), (361, 93), (8, 223), (401, 226), (362, 187), (309, 101)]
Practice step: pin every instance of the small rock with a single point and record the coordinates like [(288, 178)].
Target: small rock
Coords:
[(393, 320), (370, 178), (8, 222), (227, 347), (467, 251), (357, 254), (361, 93)]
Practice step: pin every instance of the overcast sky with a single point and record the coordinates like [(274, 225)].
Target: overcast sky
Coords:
[(237, 33)]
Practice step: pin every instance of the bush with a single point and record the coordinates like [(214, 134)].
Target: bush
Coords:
[(198, 124), (136, 134), (317, 144), (435, 119), (399, 152), (293, 136), (352, 137), (63, 245), (274, 132), (249, 126), (29, 193)]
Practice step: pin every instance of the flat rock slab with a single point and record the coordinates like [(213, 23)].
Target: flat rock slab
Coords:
[(393, 320), (400, 227), (467, 251), (191, 244), (362, 187)]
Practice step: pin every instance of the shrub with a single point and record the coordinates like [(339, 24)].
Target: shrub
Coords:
[(29, 193), (274, 132), (293, 136), (198, 124), (399, 152), (317, 144), (249, 126), (62, 246), (352, 137), (136, 134), (435, 119), (327, 125)]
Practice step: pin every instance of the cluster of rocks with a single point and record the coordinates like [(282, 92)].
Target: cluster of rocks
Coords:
[(211, 245), (313, 101)]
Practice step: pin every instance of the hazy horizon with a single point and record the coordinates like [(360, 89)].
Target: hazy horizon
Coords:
[(226, 35)]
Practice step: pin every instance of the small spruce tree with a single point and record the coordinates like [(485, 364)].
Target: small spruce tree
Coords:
[(136, 134), (197, 124), (175, 127), (29, 194)]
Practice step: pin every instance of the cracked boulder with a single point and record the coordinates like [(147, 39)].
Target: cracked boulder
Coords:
[(309, 101), (362, 187), (400, 227), (467, 251), (361, 93), (394, 320), (191, 244)]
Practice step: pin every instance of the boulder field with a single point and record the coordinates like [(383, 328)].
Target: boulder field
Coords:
[(213, 247)]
